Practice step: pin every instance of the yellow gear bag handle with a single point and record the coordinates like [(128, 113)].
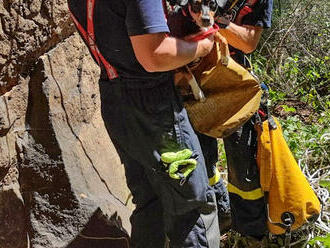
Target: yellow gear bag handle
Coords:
[(286, 187)]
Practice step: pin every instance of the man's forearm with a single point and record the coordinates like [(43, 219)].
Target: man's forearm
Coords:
[(244, 38), (181, 53), (158, 52)]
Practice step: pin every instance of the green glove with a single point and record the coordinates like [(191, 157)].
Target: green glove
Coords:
[(182, 168), (179, 164), (170, 157)]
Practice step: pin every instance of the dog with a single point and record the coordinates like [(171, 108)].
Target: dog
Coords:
[(193, 18)]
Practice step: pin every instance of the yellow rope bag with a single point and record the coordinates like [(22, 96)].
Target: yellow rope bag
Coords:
[(291, 200)]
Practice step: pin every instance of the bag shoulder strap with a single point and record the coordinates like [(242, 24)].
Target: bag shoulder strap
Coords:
[(240, 8), (89, 37), (246, 9)]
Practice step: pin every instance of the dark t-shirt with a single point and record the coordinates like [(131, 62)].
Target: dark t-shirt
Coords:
[(260, 16), (114, 22)]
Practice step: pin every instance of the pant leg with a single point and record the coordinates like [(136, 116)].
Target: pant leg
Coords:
[(199, 227), (147, 218), (196, 229), (143, 123), (248, 213), (209, 147)]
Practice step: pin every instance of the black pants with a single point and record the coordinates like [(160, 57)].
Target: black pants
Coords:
[(145, 119), (246, 198), (209, 147)]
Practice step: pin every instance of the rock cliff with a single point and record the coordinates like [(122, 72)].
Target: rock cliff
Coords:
[(61, 181)]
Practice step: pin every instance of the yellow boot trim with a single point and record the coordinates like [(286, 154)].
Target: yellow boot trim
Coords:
[(247, 195), (216, 178)]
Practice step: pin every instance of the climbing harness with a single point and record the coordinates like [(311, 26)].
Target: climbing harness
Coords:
[(89, 38)]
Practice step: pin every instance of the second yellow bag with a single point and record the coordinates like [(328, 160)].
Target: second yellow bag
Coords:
[(290, 198)]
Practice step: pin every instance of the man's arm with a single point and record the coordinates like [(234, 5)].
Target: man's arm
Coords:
[(244, 38), (159, 52), (247, 36)]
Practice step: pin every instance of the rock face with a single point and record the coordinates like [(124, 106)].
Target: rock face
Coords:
[(61, 181)]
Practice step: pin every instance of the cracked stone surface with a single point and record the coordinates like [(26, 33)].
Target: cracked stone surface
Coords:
[(28, 29), (61, 180)]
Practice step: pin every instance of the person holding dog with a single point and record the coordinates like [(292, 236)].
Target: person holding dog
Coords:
[(241, 24), (242, 27), (162, 157)]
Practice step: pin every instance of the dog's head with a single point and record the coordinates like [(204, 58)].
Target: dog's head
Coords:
[(202, 11)]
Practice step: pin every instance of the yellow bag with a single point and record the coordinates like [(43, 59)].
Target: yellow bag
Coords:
[(232, 96), (289, 196)]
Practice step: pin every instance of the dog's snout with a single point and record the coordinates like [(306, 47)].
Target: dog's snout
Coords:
[(206, 21), (204, 13)]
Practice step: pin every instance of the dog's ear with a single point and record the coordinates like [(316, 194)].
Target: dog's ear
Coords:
[(178, 2), (221, 3), (181, 2)]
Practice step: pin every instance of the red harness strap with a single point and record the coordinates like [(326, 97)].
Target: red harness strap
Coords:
[(211, 30), (165, 8), (246, 9), (89, 37)]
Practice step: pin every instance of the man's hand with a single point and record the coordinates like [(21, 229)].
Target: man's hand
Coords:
[(206, 44), (222, 21)]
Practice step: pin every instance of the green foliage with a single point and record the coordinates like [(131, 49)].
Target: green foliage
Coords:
[(288, 109), (310, 139), (293, 56), (293, 60), (222, 159), (276, 96), (323, 242), (325, 184)]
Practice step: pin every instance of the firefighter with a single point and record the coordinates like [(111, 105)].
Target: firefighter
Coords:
[(241, 23), (162, 157)]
